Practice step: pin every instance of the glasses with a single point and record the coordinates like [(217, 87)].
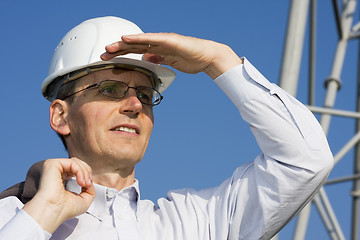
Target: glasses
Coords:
[(118, 90)]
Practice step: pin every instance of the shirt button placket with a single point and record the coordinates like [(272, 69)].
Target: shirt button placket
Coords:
[(125, 223)]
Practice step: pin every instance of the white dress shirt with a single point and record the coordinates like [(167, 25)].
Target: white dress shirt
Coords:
[(254, 203)]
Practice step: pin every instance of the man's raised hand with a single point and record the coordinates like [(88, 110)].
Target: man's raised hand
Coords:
[(186, 54)]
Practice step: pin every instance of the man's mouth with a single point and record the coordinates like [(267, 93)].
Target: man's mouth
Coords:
[(125, 129)]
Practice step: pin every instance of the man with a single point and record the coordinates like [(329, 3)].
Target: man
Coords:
[(103, 110)]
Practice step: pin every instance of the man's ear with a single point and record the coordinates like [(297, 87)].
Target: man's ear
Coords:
[(58, 117)]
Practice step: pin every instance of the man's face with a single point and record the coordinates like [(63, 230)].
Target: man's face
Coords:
[(109, 133)]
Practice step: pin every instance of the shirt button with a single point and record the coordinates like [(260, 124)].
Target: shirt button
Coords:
[(120, 217)]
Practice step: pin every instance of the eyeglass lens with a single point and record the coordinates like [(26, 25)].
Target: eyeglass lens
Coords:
[(117, 89)]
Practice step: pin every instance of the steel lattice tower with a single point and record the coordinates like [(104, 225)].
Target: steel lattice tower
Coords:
[(347, 30)]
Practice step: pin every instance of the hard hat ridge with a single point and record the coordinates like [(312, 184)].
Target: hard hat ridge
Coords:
[(81, 47)]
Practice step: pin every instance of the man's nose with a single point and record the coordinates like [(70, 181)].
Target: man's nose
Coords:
[(131, 103)]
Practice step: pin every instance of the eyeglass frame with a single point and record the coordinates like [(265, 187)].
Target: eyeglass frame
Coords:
[(128, 87)]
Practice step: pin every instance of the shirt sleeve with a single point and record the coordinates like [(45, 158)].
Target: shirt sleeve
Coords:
[(263, 195), (15, 223), (295, 158)]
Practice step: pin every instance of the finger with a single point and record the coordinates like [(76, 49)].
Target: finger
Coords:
[(87, 173), (155, 43), (109, 55), (52, 173), (72, 168), (88, 193), (122, 46), (151, 38), (79, 202), (82, 172)]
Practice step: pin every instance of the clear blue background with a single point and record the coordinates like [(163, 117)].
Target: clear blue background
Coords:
[(199, 138)]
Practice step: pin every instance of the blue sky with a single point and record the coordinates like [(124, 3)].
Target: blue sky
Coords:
[(199, 138)]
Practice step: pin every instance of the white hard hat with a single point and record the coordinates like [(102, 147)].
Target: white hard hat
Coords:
[(82, 46)]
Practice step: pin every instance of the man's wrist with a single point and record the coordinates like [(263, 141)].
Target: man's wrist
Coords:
[(224, 60)]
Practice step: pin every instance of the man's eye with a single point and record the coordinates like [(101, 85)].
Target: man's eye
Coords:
[(108, 89), (144, 96)]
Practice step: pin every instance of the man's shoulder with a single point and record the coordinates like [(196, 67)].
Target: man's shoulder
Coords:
[(27, 189), (15, 191)]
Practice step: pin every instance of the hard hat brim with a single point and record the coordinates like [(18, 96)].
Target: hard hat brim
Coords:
[(165, 75)]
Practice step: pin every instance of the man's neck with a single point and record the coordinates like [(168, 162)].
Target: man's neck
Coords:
[(109, 173), (114, 180)]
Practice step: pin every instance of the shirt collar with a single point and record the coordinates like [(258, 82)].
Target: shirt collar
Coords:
[(100, 205)]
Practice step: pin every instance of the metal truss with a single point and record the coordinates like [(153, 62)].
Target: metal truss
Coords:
[(344, 12)]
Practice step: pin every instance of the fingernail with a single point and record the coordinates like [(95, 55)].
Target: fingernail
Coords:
[(90, 179), (103, 56)]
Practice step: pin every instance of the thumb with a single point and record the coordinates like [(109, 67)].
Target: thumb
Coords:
[(88, 194)]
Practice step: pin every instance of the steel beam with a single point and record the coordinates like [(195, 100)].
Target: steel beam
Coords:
[(293, 46)]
